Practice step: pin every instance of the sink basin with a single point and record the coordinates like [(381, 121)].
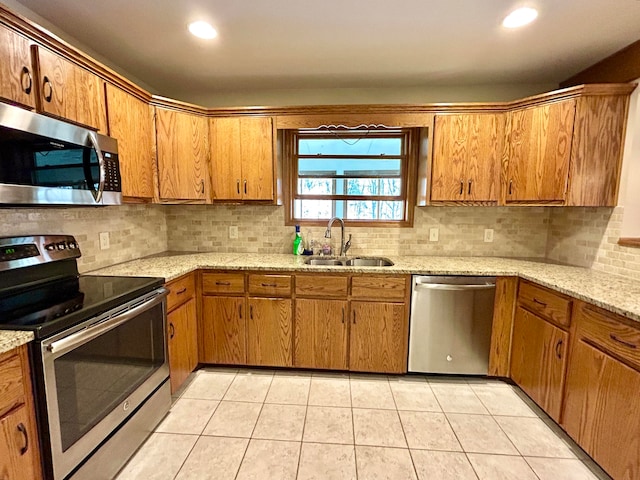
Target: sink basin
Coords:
[(369, 262), (350, 262)]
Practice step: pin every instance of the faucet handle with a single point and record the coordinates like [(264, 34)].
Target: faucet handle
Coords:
[(347, 245)]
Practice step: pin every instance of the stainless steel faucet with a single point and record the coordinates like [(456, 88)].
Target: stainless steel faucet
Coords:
[(327, 234)]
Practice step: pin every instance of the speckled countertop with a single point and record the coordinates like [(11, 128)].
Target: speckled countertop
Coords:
[(10, 339), (611, 292)]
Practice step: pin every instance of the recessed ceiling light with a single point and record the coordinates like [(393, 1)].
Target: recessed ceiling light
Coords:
[(520, 17), (202, 29)]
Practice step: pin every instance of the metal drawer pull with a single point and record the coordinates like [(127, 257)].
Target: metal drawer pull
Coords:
[(181, 291), (26, 74), (535, 300), (461, 187), (510, 187), (619, 340), (226, 284), (269, 284), (172, 331), (23, 430), (558, 352), (469, 192)]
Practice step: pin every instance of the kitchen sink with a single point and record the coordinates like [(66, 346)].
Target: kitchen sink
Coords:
[(350, 262)]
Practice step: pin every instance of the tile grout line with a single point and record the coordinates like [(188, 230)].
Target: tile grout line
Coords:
[(353, 427), (304, 424), (413, 464)]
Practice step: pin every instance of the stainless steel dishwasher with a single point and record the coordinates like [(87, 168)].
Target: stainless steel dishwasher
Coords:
[(450, 329)]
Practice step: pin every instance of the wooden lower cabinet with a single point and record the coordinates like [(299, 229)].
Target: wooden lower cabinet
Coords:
[(223, 330), (269, 332), (538, 360), (183, 343), (321, 334), (378, 338), (14, 441)]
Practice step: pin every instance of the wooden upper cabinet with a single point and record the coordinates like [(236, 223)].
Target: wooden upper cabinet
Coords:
[(131, 123), (183, 152), (466, 157), (537, 152), (70, 92), (242, 158), (16, 70)]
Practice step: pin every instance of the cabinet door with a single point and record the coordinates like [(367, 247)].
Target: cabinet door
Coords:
[(183, 152), (256, 146), (269, 332), (18, 458), (601, 410), (320, 339), (131, 123), (538, 360), (539, 140), (223, 330), (16, 74), (466, 157), (226, 177), (183, 343), (71, 92), (379, 337)]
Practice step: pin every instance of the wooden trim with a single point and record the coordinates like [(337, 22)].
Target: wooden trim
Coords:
[(502, 327), (629, 242), (622, 66)]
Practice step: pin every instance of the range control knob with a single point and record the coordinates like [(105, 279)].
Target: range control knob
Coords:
[(50, 247)]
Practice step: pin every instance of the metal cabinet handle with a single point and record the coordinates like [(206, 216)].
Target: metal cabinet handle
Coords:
[(539, 302), (342, 314), (23, 430), (354, 317), (469, 192), (240, 311), (238, 186), (623, 342), (226, 284), (558, 351), (172, 331), (245, 187), (181, 291), (202, 186), (269, 284), (47, 92), (510, 187), (251, 312), (26, 75), (461, 187)]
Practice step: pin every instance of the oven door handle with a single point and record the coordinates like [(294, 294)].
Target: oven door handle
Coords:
[(83, 336), (93, 139)]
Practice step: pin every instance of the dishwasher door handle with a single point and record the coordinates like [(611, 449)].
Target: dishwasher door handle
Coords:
[(447, 286)]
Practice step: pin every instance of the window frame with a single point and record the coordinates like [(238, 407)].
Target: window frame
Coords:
[(409, 162)]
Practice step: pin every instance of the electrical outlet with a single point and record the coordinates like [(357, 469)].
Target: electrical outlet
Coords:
[(104, 240), (233, 231), (433, 234), (488, 235)]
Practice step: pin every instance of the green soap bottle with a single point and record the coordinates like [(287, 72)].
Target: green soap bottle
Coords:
[(298, 244)]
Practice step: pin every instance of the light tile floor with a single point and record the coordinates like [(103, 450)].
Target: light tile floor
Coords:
[(262, 424)]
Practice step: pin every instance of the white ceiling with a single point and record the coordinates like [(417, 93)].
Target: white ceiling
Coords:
[(282, 44)]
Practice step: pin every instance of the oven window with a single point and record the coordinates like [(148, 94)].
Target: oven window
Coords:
[(93, 379)]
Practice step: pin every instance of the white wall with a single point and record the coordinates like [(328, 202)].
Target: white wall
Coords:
[(630, 182)]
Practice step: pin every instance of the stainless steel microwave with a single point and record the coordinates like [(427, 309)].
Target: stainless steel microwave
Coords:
[(47, 161)]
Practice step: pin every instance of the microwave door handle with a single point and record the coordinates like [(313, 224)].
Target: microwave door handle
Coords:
[(83, 336), (93, 138)]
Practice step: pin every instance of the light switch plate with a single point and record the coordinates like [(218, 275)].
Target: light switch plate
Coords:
[(104, 240), (433, 234), (233, 231), (488, 235)]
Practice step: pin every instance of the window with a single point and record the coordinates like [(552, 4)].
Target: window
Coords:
[(359, 175)]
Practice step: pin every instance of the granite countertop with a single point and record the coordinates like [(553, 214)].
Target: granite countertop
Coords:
[(611, 292), (10, 339)]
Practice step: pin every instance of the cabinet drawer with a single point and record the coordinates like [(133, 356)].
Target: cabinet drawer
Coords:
[(321, 285), (11, 386), (275, 285), (378, 288), (602, 329), (180, 291), (545, 303), (222, 282)]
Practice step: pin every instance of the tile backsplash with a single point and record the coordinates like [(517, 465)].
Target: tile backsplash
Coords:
[(588, 237), (518, 232), (134, 230)]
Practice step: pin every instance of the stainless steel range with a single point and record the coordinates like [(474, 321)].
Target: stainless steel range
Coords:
[(99, 358)]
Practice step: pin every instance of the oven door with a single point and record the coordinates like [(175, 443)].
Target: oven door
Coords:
[(98, 374)]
